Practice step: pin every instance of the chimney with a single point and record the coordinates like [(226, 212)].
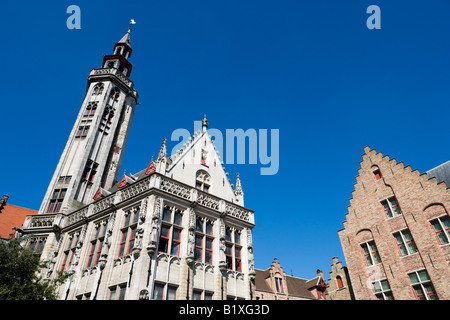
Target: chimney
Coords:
[(3, 201)]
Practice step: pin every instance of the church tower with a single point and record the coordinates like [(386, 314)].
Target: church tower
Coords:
[(93, 153)]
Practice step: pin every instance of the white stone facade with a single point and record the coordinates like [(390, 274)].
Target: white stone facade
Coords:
[(175, 230)]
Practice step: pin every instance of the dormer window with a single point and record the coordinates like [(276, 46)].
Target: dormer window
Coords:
[(202, 181)]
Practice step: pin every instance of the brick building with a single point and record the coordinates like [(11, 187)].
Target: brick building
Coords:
[(396, 234), (339, 284), (274, 284), (12, 218)]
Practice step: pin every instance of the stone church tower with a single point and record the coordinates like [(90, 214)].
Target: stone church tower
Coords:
[(177, 229)]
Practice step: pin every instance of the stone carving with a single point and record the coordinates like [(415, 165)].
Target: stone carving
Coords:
[(175, 188), (151, 247)]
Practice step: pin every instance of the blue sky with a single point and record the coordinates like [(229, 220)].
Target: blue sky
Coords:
[(311, 69)]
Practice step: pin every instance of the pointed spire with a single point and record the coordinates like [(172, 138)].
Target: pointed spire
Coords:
[(163, 151), (204, 123), (126, 37), (238, 186)]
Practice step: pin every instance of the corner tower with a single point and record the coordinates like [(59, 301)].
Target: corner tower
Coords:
[(94, 150)]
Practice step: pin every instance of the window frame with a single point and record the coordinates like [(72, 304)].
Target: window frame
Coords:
[(420, 284), (391, 208), (445, 231), (128, 232), (370, 252), (173, 223), (382, 292), (404, 242)]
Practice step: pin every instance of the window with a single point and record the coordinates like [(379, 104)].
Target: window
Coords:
[(96, 244), (164, 292), (339, 282), (108, 114), (203, 241), (233, 250), (115, 94), (391, 207), (98, 89), (36, 245), (70, 251), (421, 283), (56, 200), (279, 284), (202, 181), (377, 174), (90, 109), (441, 226), (170, 236), (201, 295), (89, 171), (382, 290), (82, 132), (129, 232), (405, 242), (371, 253), (117, 292)]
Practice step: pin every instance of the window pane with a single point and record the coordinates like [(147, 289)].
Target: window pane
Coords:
[(376, 286), (158, 291), (176, 234), (208, 257), (412, 247), (167, 214), (164, 231), (208, 244), (112, 296), (366, 250), (389, 295), (209, 228), (446, 222), (423, 275), (198, 241), (376, 257), (197, 295), (442, 238), (436, 225), (385, 285), (171, 293), (178, 217), (199, 225), (122, 293), (403, 250), (174, 250), (398, 237), (413, 277), (407, 235), (198, 254)]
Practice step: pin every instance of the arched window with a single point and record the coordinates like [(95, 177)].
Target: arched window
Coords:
[(339, 282), (202, 181), (98, 89), (115, 93)]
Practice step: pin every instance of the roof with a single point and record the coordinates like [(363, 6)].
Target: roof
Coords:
[(12, 216), (441, 173), (126, 38), (295, 286)]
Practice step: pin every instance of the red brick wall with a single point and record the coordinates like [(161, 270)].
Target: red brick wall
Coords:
[(420, 199), (12, 216)]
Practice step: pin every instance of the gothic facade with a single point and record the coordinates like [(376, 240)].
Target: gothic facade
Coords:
[(178, 229)]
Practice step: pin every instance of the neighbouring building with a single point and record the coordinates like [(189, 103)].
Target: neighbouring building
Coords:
[(12, 218), (274, 284), (397, 230), (339, 284), (177, 229)]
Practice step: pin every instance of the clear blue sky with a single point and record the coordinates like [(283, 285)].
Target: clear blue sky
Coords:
[(311, 69)]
